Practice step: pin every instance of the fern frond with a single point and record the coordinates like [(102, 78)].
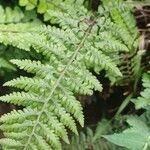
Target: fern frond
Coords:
[(92, 139), (16, 15), (120, 13), (43, 5), (70, 51), (119, 28), (8, 16), (27, 84), (143, 100)]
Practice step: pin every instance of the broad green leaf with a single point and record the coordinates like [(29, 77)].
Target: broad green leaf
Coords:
[(132, 141), (137, 137)]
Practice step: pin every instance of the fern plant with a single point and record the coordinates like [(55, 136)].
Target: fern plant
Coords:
[(130, 57), (82, 41), (143, 100), (13, 15), (16, 15), (43, 5), (129, 62), (91, 138)]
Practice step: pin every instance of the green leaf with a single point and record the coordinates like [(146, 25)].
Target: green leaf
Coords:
[(132, 141), (134, 138)]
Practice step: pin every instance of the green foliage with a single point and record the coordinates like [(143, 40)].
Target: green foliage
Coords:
[(91, 139), (139, 3), (8, 16), (128, 62), (81, 40), (143, 100), (44, 5), (124, 47), (16, 15), (137, 137)]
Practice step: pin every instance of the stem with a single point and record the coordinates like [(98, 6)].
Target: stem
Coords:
[(123, 105)]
